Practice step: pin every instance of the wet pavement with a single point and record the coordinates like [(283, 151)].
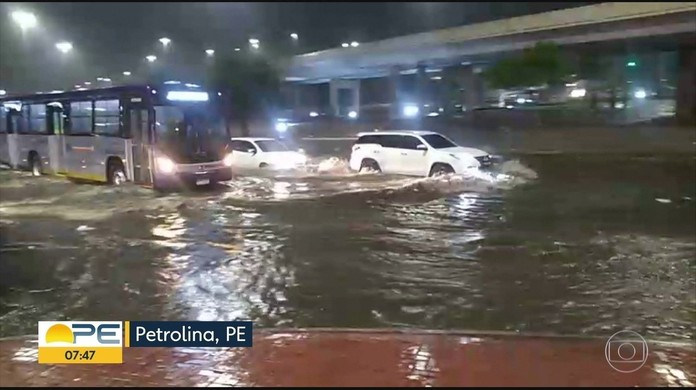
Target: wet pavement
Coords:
[(555, 243), (360, 358)]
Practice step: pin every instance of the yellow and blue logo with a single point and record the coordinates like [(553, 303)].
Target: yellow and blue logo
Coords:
[(80, 342)]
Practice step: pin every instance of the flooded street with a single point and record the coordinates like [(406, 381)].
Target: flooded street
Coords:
[(550, 243)]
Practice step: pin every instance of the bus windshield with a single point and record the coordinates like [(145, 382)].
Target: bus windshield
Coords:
[(190, 134)]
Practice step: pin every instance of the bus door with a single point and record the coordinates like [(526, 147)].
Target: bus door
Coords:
[(56, 143), (141, 147), (4, 145)]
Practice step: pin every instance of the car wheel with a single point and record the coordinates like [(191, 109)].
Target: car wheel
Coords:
[(117, 175), (369, 165), (440, 169), (35, 165)]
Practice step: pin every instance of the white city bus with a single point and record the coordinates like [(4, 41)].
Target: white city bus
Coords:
[(157, 137)]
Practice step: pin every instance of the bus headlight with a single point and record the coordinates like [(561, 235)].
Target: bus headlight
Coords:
[(227, 160), (165, 165)]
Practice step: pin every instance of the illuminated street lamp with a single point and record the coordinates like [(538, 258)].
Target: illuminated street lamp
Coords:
[(151, 58), (165, 41), (294, 36), (210, 52), (126, 73), (254, 43), (24, 19), (64, 47)]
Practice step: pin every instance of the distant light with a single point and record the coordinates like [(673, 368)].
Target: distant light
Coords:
[(188, 96), (192, 85), (640, 94), (578, 93), (436, 78), (126, 73), (434, 114), (520, 100), (255, 45), (313, 114), (528, 100), (165, 41), (441, 109), (631, 64), (352, 115), (210, 52), (56, 91), (219, 93), (151, 58), (99, 79), (281, 127), (345, 44), (172, 82), (354, 44), (87, 83), (294, 36), (78, 86), (253, 41), (106, 80), (410, 110), (3, 92), (64, 47), (571, 84), (82, 89), (237, 49), (154, 92), (24, 19)]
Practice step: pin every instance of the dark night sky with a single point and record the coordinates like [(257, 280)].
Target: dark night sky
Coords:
[(112, 37)]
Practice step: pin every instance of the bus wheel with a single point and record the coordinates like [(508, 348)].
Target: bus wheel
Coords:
[(117, 175), (35, 164)]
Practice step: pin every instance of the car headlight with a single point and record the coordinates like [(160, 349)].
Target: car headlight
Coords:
[(165, 165), (227, 160), (301, 159), (281, 127)]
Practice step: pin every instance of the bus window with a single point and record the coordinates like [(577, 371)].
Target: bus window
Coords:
[(19, 120), (3, 120), (107, 117), (80, 118), (37, 119)]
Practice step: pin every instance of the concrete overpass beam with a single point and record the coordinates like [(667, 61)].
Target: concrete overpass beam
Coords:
[(394, 74), (686, 86), (344, 96), (421, 88), (473, 87)]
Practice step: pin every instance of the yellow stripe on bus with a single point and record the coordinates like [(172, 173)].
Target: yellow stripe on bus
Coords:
[(85, 176)]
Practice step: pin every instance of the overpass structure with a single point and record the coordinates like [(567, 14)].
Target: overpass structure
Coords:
[(459, 51)]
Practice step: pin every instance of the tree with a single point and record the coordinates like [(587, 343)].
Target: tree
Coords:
[(542, 64), (249, 85)]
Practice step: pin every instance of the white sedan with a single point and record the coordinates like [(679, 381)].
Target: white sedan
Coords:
[(267, 153)]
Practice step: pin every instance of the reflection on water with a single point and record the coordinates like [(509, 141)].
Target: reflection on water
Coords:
[(559, 244)]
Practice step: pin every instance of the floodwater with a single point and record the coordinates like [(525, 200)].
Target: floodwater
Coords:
[(549, 243)]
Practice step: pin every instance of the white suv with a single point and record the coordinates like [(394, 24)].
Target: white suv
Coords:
[(417, 153), (266, 153)]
